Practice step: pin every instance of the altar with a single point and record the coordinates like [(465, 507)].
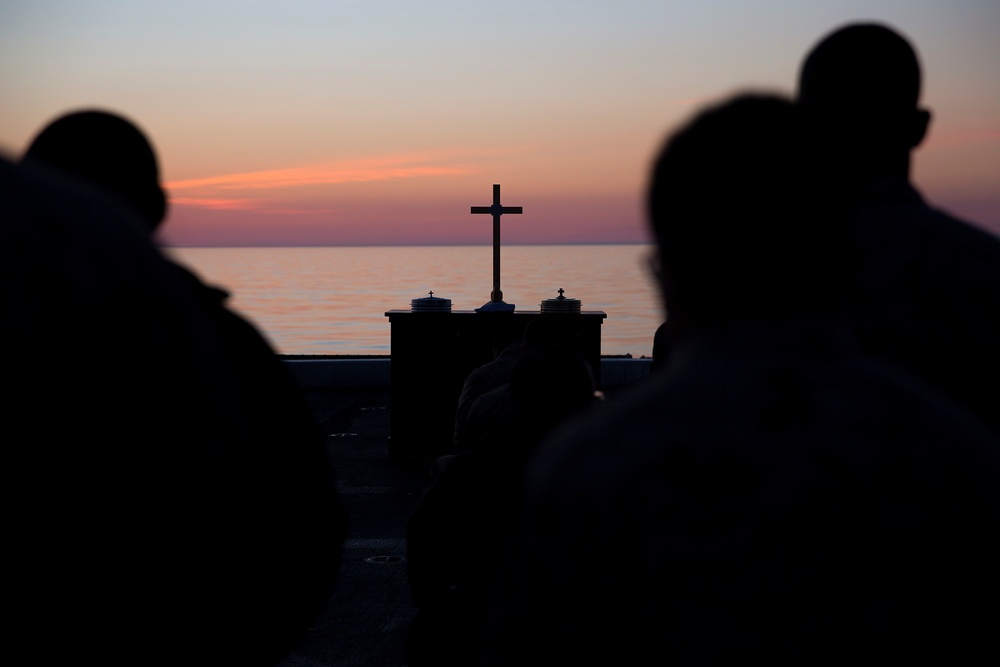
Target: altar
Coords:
[(433, 350), (431, 355)]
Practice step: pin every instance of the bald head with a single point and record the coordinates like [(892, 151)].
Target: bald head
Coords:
[(861, 84), (861, 65), (107, 151)]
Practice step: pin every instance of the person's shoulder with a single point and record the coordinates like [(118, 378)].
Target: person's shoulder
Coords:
[(489, 375), (491, 402), (954, 223), (963, 250), (597, 442), (980, 242), (902, 232), (945, 227)]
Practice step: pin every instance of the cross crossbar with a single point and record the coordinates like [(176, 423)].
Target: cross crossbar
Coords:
[(496, 210)]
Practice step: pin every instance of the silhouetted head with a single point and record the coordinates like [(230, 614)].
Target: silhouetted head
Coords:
[(107, 151), (547, 329), (661, 346), (742, 228), (549, 384), (508, 332), (861, 86)]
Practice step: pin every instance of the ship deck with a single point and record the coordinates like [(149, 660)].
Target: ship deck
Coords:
[(367, 617)]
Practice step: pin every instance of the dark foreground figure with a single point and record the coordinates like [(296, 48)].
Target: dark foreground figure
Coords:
[(796, 507), (458, 537), (925, 292), (772, 494), (170, 501)]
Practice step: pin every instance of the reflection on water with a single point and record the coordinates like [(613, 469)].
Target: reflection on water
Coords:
[(334, 300)]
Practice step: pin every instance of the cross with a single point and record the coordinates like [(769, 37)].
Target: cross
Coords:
[(496, 210)]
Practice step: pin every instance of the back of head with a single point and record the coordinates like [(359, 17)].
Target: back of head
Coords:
[(107, 151), (661, 346), (861, 65), (547, 329), (550, 383), (862, 82), (735, 211), (508, 332)]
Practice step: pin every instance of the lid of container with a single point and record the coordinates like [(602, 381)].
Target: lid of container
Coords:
[(561, 304), (430, 304)]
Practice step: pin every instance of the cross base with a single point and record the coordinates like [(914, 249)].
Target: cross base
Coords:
[(496, 307)]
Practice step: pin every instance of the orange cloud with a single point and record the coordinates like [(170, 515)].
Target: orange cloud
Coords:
[(381, 168), (252, 190), (264, 206), (214, 204)]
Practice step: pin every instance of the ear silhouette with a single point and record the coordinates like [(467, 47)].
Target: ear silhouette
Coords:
[(918, 130), (158, 207)]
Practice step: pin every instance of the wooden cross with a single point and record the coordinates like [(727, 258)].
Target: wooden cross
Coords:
[(496, 210)]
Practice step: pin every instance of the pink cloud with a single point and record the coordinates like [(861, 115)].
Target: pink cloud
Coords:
[(592, 218), (443, 163), (258, 205), (215, 204), (246, 191)]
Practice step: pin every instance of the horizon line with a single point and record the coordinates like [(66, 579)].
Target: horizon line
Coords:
[(405, 245)]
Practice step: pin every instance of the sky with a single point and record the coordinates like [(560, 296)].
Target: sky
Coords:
[(376, 122)]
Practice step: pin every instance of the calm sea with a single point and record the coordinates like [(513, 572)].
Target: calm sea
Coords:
[(334, 300)]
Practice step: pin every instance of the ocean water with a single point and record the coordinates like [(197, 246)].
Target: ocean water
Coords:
[(331, 300)]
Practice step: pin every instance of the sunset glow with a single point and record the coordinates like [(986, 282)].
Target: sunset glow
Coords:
[(341, 123), (373, 169)]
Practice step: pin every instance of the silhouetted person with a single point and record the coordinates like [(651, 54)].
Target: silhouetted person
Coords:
[(661, 347), (108, 152), (459, 534), (207, 512), (494, 408), (506, 346), (926, 290), (770, 495)]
